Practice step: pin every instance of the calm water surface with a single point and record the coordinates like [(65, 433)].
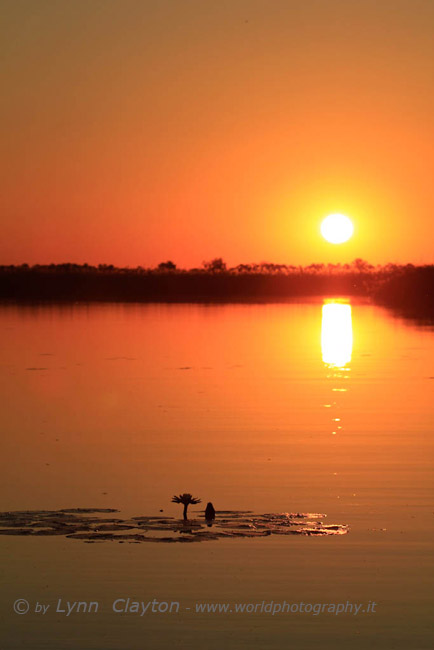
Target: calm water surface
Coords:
[(291, 407)]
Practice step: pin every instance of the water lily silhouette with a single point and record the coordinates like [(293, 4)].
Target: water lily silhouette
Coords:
[(186, 499)]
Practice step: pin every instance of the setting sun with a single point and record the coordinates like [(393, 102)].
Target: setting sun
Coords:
[(337, 228)]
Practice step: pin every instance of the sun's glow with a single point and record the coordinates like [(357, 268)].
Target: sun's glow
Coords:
[(336, 334), (337, 228)]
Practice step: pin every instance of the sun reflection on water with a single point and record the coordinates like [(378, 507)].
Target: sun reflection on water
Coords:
[(337, 348), (336, 334)]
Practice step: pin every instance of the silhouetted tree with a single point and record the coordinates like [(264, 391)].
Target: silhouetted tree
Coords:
[(362, 266), (215, 265), (315, 268), (167, 266)]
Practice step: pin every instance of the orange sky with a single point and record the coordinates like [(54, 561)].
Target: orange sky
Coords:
[(137, 131)]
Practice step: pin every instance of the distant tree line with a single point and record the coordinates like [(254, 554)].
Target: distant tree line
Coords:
[(407, 286)]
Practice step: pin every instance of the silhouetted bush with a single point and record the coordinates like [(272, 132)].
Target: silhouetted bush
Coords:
[(407, 287)]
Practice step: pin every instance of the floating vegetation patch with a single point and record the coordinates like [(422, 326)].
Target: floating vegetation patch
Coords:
[(89, 525)]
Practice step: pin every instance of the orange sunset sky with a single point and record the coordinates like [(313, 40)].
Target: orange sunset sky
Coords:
[(140, 131)]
